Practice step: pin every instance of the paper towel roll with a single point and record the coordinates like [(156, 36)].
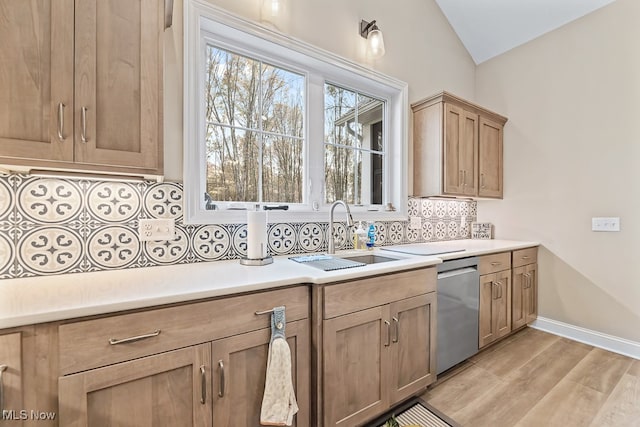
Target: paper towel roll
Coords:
[(256, 234)]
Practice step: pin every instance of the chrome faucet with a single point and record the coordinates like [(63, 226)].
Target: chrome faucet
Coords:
[(332, 249)]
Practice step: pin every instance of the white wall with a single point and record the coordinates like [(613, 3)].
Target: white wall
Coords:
[(422, 50), (572, 151)]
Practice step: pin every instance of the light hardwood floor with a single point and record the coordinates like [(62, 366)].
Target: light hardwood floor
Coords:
[(537, 379)]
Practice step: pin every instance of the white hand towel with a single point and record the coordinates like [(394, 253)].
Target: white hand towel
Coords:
[(279, 401)]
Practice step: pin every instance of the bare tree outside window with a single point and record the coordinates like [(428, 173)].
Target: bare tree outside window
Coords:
[(354, 147), (255, 130)]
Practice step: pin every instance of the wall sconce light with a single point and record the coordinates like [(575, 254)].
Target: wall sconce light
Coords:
[(375, 42), (273, 11)]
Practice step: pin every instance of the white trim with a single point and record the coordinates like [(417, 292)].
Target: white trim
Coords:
[(587, 336), (199, 14)]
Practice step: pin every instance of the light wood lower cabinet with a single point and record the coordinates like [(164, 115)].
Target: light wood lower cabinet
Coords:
[(11, 388), (525, 295), (376, 357), (239, 366), (217, 380), (166, 389), (495, 307)]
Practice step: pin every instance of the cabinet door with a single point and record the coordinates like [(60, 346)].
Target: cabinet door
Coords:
[(495, 307), (11, 378), (490, 158), (36, 80), (168, 389), (460, 151), (239, 370), (525, 295), (531, 293), (118, 83), (413, 341), (355, 366)]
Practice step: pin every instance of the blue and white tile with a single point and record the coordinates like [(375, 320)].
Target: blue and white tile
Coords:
[(413, 207), (465, 230), (440, 230), (465, 208), (311, 237), (452, 229), (211, 242), (282, 239), (427, 231), (49, 201), (113, 247), (50, 250), (396, 233), (427, 208), (340, 236), (7, 200), (164, 201), (113, 202), (440, 209), (165, 252), (453, 208), (239, 242), (7, 255), (413, 234), (380, 233)]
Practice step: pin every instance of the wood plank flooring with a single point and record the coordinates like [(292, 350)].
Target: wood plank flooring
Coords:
[(535, 379)]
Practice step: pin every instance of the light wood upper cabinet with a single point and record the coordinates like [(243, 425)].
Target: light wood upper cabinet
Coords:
[(490, 164), (167, 389), (36, 80), (82, 85), (118, 83), (457, 148)]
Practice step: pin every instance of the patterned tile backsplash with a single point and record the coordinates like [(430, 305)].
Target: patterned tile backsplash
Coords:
[(54, 226)]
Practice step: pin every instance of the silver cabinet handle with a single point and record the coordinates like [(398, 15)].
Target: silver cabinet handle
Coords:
[(203, 384), (386, 343), (495, 263), (2, 369), (115, 341), (525, 257), (396, 328), (464, 178), (461, 177), (61, 121), (83, 118), (221, 383), (481, 180)]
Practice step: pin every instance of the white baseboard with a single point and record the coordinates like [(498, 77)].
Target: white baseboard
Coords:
[(587, 336)]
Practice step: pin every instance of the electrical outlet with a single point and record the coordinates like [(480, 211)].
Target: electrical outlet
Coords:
[(156, 229), (605, 224), (415, 223)]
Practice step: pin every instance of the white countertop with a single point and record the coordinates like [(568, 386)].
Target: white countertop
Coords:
[(50, 298)]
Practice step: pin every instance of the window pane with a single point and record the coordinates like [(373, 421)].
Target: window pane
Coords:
[(282, 170), (342, 172), (232, 164), (231, 88), (282, 101), (340, 126)]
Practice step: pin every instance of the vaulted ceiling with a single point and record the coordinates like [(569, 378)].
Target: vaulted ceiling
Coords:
[(488, 28)]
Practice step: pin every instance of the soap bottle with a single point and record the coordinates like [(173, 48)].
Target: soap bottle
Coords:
[(360, 237), (371, 237)]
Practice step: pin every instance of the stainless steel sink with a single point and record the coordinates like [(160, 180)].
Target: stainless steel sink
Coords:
[(370, 258)]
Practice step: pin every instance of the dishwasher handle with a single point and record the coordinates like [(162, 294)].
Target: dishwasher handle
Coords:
[(457, 272)]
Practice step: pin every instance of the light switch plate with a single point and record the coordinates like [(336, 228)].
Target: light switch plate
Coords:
[(415, 223), (605, 224), (156, 229)]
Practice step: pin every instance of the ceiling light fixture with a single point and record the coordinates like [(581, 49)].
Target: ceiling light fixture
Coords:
[(375, 42)]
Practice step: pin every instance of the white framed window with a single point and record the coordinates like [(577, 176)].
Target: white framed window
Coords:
[(274, 121)]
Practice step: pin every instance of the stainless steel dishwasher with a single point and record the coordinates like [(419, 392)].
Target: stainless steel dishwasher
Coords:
[(458, 302)]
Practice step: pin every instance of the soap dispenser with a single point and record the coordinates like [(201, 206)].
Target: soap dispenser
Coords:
[(360, 238)]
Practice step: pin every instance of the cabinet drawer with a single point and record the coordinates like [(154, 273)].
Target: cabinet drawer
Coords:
[(88, 344), (358, 295), (525, 256), (496, 262)]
